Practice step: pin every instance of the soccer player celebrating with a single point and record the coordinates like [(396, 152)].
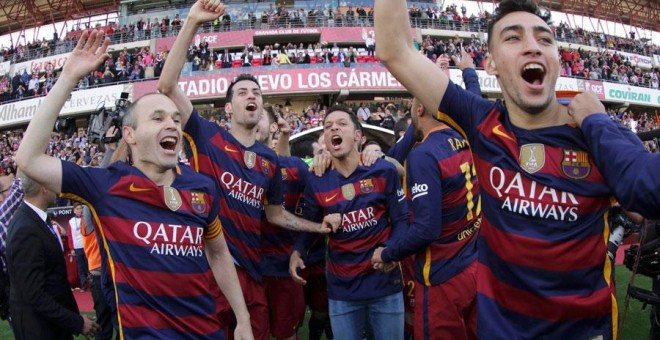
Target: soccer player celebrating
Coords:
[(370, 201), (444, 200), (286, 303), (248, 172), (543, 269), (158, 221)]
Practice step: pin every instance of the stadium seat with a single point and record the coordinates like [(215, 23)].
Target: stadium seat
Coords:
[(256, 62), (360, 59), (237, 63), (334, 59)]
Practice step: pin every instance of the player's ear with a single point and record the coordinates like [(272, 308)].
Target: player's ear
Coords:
[(228, 108), (490, 66), (128, 134)]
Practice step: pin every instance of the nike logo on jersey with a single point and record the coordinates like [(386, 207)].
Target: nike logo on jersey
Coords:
[(328, 199), (497, 131), (228, 149), (133, 188)]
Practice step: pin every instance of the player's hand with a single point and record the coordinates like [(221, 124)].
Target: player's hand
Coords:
[(465, 61), (370, 157), (90, 327), (111, 133), (88, 54), (584, 105), (296, 263), (376, 257), (206, 11), (385, 267), (321, 163), (243, 331), (442, 62), (282, 124), (330, 223)]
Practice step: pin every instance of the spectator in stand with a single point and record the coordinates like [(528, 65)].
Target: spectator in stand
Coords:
[(75, 233), (363, 112)]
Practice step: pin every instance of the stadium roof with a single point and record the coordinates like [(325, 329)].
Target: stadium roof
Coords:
[(638, 13), (16, 15)]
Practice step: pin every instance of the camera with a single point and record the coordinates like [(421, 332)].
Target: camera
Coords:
[(100, 122), (647, 256)]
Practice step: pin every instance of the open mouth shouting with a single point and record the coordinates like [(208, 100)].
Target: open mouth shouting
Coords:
[(169, 144), (534, 75), (336, 142), (251, 107)]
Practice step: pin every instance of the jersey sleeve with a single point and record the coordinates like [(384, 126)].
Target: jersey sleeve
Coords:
[(471, 80), (311, 211), (198, 131), (88, 184), (630, 171), (275, 193), (214, 228), (397, 206), (461, 110), (424, 182), (402, 147)]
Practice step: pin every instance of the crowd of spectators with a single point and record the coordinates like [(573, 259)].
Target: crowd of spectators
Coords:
[(240, 17), (126, 65), (76, 147), (606, 66)]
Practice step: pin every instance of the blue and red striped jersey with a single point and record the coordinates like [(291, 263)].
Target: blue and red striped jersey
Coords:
[(543, 265), (443, 194), (373, 210), (277, 243), (616, 156), (152, 236), (249, 178)]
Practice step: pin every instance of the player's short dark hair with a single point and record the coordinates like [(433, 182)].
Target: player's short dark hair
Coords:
[(342, 108), (240, 77), (303, 149), (509, 6)]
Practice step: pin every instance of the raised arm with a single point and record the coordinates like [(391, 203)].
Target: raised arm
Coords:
[(201, 12), (395, 49), (86, 57), (630, 171)]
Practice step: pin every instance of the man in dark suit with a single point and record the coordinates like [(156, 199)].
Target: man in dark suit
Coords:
[(40, 300), (226, 58)]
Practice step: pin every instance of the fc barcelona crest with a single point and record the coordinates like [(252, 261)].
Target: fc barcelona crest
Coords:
[(348, 191), (197, 202), (576, 164), (366, 186), (265, 166), (532, 157), (285, 174), (172, 198), (250, 159)]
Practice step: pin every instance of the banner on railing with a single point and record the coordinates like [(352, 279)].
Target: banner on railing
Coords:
[(82, 101), (376, 79), (241, 38), (656, 60), (39, 65), (636, 60), (631, 94)]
